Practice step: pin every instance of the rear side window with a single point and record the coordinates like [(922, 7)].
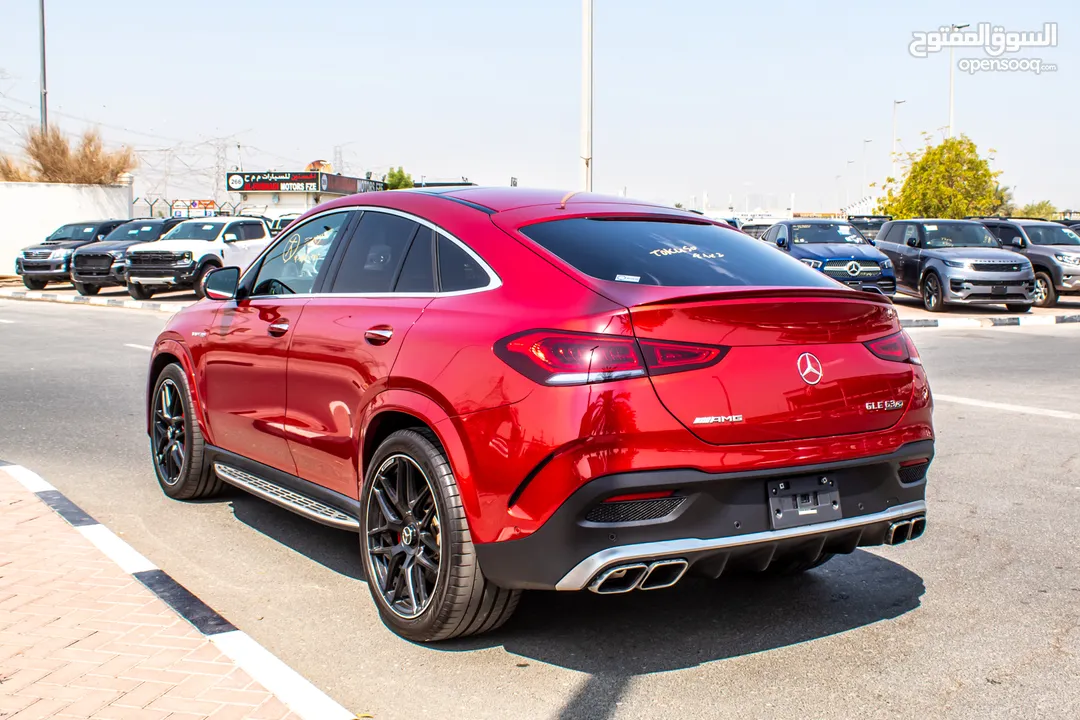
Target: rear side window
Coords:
[(374, 254), (417, 274), (670, 254), (457, 269)]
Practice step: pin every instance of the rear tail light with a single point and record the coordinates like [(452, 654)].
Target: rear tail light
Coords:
[(556, 357), (897, 348)]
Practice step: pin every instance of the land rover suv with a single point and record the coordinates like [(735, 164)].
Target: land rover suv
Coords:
[(1053, 249)]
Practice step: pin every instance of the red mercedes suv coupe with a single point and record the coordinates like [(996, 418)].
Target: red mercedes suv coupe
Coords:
[(501, 389)]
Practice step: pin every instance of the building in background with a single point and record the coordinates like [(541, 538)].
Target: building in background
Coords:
[(274, 193)]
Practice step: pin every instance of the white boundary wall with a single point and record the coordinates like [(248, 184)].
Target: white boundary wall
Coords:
[(31, 211)]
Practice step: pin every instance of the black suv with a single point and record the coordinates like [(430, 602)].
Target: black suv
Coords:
[(869, 225), (102, 264), (50, 261), (1052, 248)]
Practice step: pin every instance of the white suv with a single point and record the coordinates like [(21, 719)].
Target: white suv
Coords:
[(183, 256)]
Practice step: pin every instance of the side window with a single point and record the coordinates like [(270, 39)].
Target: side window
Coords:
[(374, 254), (910, 231), (293, 264), (1006, 234), (457, 269), (233, 229), (770, 235), (894, 234), (781, 233), (252, 231), (418, 274)]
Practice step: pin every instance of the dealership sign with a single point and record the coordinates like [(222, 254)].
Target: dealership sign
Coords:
[(301, 182)]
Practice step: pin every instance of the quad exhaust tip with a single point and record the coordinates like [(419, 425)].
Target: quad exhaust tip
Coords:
[(639, 576), (903, 530)]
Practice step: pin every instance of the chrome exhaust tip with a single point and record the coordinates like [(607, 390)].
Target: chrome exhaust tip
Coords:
[(619, 579), (663, 574), (918, 527), (898, 532)]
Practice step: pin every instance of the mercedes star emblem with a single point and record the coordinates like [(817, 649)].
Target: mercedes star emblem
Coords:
[(809, 369), (854, 268)]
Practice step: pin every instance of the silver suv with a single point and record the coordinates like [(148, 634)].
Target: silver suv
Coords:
[(956, 262), (1053, 249)]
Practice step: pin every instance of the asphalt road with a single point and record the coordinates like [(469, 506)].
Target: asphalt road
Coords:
[(978, 619)]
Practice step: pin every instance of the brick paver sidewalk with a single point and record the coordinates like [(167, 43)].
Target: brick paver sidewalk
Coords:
[(81, 638)]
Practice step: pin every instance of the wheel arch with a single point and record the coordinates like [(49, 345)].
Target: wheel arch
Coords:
[(168, 352)]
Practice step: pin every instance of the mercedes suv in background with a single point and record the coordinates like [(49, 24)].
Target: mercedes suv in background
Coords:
[(500, 389), (102, 264), (183, 256), (956, 262), (1052, 248), (50, 261), (837, 249)]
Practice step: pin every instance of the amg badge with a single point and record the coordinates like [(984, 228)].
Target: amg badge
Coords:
[(885, 405), (717, 419)]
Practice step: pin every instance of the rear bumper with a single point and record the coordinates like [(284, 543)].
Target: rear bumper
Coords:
[(723, 521)]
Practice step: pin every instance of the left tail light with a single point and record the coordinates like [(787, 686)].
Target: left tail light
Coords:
[(554, 357), (897, 347)]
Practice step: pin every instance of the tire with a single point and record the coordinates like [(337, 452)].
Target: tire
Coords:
[(1045, 293), (200, 279), (33, 283), (933, 296), (1017, 307), (85, 289), (797, 566), (139, 292), (187, 476), (461, 601)]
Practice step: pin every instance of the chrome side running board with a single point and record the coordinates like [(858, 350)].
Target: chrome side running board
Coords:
[(288, 499)]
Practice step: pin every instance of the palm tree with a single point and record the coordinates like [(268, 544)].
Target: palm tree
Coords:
[(1003, 201)]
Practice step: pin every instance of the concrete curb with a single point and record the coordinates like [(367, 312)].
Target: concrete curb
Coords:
[(981, 322), (264, 667), (42, 296)]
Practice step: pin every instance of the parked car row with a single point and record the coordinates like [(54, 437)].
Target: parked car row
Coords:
[(1016, 262), (147, 255)]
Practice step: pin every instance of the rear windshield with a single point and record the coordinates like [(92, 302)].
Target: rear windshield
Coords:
[(953, 234), (74, 232), (1051, 235), (194, 231), (670, 254), (869, 228), (819, 233), (136, 231)]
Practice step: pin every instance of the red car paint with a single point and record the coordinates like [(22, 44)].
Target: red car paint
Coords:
[(303, 402)]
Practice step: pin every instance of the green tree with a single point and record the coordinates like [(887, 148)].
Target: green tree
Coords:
[(1003, 201), (1042, 209), (679, 206), (947, 180), (397, 179)]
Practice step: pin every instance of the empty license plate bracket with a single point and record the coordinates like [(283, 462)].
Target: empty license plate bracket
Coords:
[(803, 501)]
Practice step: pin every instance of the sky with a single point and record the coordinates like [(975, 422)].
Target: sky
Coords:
[(746, 103)]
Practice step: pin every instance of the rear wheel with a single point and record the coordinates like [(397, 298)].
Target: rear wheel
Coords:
[(932, 294), (140, 292), (34, 283), (1017, 307), (417, 552), (85, 289), (1045, 294), (176, 442)]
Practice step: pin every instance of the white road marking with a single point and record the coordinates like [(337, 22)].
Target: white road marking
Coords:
[(138, 347), (28, 478), (303, 698), (1025, 409), (117, 550)]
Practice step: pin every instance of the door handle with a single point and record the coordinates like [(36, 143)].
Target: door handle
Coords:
[(278, 328), (379, 335)]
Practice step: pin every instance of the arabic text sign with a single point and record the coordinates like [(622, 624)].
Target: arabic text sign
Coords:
[(995, 41)]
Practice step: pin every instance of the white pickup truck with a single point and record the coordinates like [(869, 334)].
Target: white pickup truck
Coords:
[(183, 256)]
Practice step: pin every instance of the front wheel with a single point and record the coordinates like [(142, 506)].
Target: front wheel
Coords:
[(176, 442), (85, 289), (139, 292), (418, 555), (932, 294), (1045, 294), (1017, 307), (200, 280), (34, 283)]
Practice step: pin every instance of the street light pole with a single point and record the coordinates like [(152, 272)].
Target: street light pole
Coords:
[(952, 71), (892, 154), (847, 185), (586, 93), (44, 90)]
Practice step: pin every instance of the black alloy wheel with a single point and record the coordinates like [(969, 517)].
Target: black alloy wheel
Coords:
[(403, 536), (169, 433), (932, 294)]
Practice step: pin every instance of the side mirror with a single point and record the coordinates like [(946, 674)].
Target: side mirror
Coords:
[(222, 283), (1017, 242), (781, 242), (230, 237), (913, 242)]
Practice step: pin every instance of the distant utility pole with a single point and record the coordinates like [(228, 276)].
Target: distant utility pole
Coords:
[(586, 93), (952, 70), (44, 89), (895, 104)]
